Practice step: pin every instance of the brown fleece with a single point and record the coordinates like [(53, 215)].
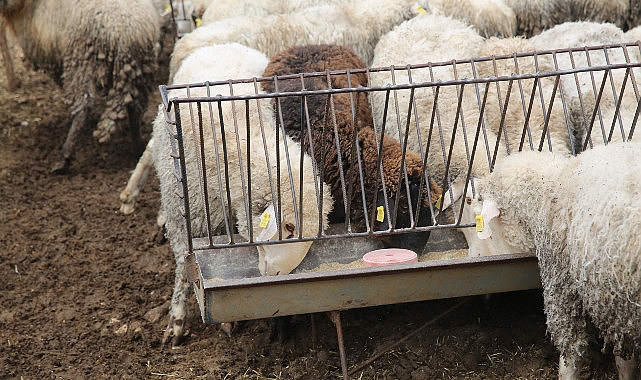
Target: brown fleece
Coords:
[(318, 58)]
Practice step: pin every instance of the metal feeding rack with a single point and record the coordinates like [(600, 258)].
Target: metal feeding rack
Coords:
[(480, 109)]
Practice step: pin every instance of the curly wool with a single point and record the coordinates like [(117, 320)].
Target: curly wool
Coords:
[(100, 52), (583, 215)]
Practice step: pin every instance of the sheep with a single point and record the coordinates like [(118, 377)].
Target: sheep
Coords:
[(425, 38), (332, 144), (535, 16), (491, 18), (102, 53), (223, 9), (582, 217), (500, 119), (219, 62), (357, 25), (599, 11), (546, 124), (582, 89)]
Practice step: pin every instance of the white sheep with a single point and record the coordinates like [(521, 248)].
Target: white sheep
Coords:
[(426, 38), (582, 216), (543, 126), (490, 18), (357, 25), (501, 117), (221, 62), (101, 52), (222, 9), (581, 89), (434, 38)]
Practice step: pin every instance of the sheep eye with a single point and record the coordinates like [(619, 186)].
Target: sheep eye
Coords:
[(291, 229)]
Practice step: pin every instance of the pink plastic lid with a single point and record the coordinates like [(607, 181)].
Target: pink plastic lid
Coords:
[(389, 256)]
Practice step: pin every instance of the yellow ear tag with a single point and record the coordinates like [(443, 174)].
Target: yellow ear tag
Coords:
[(199, 22), (420, 10), (380, 213), (264, 220), (168, 8), (479, 223), (438, 202)]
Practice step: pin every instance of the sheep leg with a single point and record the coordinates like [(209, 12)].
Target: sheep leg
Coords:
[(627, 369), (12, 82), (567, 369), (80, 113), (137, 180), (135, 114), (177, 313)]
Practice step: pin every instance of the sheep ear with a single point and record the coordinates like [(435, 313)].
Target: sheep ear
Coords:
[(456, 192), (489, 211), (268, 223)]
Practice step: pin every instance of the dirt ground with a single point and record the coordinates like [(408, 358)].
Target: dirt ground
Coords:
[(84, 290)]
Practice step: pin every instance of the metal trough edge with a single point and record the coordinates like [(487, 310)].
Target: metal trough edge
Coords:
[(262, 297)]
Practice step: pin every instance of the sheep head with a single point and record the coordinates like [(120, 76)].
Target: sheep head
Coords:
[(275, 259)]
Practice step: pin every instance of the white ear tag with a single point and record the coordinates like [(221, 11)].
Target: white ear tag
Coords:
[(489, 211), (268, 223)]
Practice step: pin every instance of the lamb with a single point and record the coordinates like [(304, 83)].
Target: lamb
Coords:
[(329, 137), (299, 207), (357, 25), (608, 124), (102, 53), (582, 216), (491, 18)]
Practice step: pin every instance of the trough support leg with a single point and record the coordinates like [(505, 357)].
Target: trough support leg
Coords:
[(314, 331), (335, 317)]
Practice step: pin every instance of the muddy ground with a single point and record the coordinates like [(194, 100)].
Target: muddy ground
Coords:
[(84, 290)]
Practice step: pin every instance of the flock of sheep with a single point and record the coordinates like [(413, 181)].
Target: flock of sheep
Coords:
[(280, 169)]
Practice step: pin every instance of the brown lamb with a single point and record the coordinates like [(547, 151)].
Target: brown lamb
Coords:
[(324, 58)]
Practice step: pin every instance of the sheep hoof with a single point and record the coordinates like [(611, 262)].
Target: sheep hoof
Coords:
[(61, 167), (226, 327), (127, 208), (174, 330)]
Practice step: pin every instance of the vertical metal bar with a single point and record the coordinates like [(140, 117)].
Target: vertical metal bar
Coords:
[(223, 138), (596, 110), (183, 178), (335, 317)]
